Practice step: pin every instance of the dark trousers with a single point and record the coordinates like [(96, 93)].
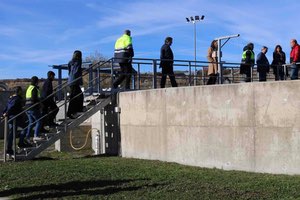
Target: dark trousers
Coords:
[(262, 76), (10, 137), (278, 72), (212, 79), (50, 108), (126, 69), (76, 102), (248, 76), (167, 70)]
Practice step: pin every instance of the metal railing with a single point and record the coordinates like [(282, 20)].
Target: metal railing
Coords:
[(61, 88), (192, 72)]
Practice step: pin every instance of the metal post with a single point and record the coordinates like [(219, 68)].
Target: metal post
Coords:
[(232, 75), (190, 74), (98, 80), (65, 94), (59, 84), (139, 77), (91, 82), (220, 66), (14, 138), (5, 136), (195, 55), (154, 84), (112, 73)]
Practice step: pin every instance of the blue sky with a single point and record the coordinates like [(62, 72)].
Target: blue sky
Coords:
[(38, 33)]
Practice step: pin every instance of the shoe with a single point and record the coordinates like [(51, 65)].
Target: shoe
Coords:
[(27, 141), (71, 116), (23, 145), (53, 124), (44, 130), (35, 139)]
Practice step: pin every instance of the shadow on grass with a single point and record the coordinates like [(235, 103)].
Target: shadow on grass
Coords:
[(74, 188)]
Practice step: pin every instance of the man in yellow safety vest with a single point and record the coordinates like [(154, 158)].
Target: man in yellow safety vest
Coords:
[(248, 60), (123, 55)]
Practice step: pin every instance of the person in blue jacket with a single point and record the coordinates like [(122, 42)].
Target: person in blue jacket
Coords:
[(14, 107), (75, 80), (263, 65)]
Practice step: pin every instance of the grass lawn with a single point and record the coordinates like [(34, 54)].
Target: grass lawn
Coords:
[(68, 177)]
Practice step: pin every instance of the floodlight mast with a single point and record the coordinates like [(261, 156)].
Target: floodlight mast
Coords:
[(194, 20), (219, 54)]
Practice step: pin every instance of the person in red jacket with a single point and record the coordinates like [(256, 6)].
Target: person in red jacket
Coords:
[(294, 58)]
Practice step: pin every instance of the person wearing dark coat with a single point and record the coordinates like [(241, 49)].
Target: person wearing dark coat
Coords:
[(279, 59), (248, 60), (263, 66), (75, 80), (14, 107), (166, 63), (49, 105)]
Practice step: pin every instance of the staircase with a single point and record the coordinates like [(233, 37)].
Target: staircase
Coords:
[(96, 102)]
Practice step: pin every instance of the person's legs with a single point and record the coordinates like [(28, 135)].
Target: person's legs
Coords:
[(128, 71), (262, 76), (53, 111), (248, 75), (10, 139), (163, 77), (172, 77), (294, 72), (120, 79), (72, 104), (36, 115), (30, 124)]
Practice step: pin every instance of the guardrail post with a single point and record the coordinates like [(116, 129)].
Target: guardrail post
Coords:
[(91, 82), (112, 73), (59, 84), (5, 137), (190, 74), (139, 77), (14, 138), (98, 80), (65, 94), (154, 84)]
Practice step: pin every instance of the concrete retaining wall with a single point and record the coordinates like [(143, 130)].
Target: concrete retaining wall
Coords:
[(250, 126)]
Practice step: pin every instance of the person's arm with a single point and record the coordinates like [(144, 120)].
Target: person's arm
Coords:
[(209, 55), (34, 96)]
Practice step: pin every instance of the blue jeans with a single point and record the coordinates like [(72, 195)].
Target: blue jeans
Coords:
[(294, 72), (33, 117), (10, 137)]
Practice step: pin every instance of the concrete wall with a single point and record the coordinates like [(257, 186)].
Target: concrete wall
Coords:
[(250, 126)]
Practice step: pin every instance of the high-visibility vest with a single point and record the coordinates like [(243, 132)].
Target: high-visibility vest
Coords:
[(29, 94), (123, 43), (252, 56)]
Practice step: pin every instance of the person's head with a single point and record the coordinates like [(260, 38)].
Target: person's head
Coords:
[(169, 40), (278, 48), (214, 44), (127, 32), (51, 75), (250, 46), (34, 80), (293, 42), (77, 56), (264, 49), (18, 90)]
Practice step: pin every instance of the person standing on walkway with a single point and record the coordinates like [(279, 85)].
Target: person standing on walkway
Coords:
[(263, 65), (278, 60), (166, 63), (248, 60), (213, 63), (294, 58), (75, 81), (49, 105), (123, 55), (33, 96)]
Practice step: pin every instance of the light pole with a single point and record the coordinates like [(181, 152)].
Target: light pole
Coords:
[(194, 20)]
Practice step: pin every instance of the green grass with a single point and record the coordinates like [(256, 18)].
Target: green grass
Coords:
[(71, 177)]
